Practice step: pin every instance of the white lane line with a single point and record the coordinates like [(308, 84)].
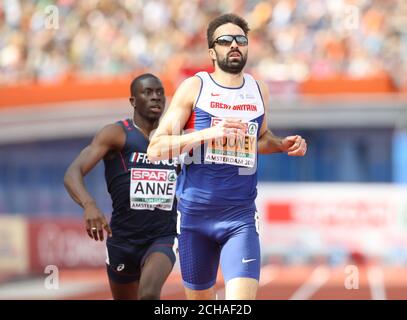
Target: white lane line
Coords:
[(375, 278), (220, 294), (316, 280), (35, 289)]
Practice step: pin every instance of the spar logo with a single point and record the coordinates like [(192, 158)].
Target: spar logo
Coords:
[(150, 175), (152, 187), (172, 177), (252, 129)]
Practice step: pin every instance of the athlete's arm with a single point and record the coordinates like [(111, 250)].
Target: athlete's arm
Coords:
[(109, 139), (269, 143), (168, 142)]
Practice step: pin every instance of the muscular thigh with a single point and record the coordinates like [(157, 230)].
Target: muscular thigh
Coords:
[(240, 255), (198, 253)]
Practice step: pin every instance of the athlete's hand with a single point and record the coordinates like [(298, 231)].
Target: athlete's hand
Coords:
[(225, 128), (294, 145), (95, 222)]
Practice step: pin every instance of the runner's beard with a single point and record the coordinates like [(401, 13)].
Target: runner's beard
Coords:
[(231, 65)]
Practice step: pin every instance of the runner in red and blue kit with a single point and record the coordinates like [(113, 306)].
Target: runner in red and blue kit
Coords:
[(144, 206), (218, 123), (142, 240)]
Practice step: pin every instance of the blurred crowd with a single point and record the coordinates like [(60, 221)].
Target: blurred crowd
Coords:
[(290, 40)]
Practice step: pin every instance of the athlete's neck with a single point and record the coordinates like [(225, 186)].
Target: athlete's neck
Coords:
[(227, 79), (145, 125)]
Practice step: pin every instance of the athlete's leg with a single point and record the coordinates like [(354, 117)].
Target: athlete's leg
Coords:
[(122, 271), (124, 291), (240, 261), (199, 250), (157, 264), (199, 261), (154, 273), (208, 294), (241, 289)]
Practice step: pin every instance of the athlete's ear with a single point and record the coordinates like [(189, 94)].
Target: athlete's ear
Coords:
[(132, 101), (212, 54)]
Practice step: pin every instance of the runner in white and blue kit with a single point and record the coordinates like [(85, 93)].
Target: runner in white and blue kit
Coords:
[(218, 123), (217, 209)]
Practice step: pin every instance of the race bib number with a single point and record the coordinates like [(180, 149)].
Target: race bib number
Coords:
[(239, 151), (152, 188)]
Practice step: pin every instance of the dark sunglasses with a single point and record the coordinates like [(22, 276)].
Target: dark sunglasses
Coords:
[(226, 40)]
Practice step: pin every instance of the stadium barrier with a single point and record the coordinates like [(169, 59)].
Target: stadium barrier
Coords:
[(334, 221), (14, 248), (29, 245), (118, 87), (341, 84)]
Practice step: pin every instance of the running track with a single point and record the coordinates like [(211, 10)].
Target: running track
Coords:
[(277, 282)]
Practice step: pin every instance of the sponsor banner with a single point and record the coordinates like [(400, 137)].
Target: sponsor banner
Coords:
[(239, 151), (152, 188), (324, 218), (13, 244), (63, 243)]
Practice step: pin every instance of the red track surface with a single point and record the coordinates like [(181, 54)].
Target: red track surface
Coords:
[(280, 282)]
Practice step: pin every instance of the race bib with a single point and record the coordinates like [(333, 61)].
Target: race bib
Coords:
[(239, 151), (152, 188)]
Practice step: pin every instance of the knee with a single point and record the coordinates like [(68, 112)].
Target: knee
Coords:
[(149, 293)]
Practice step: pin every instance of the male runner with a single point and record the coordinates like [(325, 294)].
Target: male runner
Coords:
[(141, 243), (224, 113)]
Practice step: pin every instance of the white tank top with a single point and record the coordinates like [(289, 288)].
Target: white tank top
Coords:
[(217, 178), (243, 102)]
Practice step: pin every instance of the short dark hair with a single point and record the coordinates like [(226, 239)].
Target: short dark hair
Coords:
[(133, 85), (224, 19)]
